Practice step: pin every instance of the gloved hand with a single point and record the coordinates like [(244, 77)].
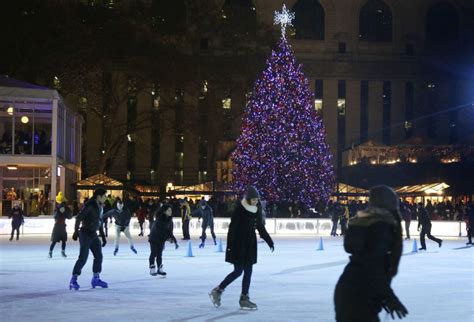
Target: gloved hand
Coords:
[(176, 246), (393, 305), (75, 235), (272, 248), (104, 241)]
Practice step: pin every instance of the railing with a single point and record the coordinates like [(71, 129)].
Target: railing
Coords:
[(275, 226), (31, 208)]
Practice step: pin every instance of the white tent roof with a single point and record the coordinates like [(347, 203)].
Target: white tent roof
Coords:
[(13, 88)]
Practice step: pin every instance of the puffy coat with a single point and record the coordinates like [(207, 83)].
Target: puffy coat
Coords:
[(241, 238), (17, 216), (90, 217), (59, 230), (374, 240), (206, 214), (162, 229)]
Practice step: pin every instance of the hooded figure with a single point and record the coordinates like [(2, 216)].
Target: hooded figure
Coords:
[(374, 240)]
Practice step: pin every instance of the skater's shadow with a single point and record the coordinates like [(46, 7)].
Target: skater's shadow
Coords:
[(216, 318)]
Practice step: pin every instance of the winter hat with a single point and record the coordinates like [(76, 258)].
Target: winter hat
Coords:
[(383, 197), (251, 193), (164, 208), (60, 198)]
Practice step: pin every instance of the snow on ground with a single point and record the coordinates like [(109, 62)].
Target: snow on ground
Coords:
[(295, 283)]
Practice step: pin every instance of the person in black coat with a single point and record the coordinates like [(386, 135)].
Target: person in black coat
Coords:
[(18, 218), (89, 221), (161, 231), (122, 218), (241, 248), (424, 222), (205, 212), (469, 222), (59, 234), (374, 240)]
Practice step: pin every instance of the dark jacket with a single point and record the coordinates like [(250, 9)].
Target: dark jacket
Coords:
[(162, 229), (241, 237), (122, 218), (59, 230), (374, 240), (90, 217), (17, 216), (423, 217), (206, 214)]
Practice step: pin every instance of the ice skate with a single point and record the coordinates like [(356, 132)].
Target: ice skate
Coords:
[(133, 249), (246, 304), (201, 245), (440, 243), (63, 253), (73, 284), (422, 248), (50, 254), (115, 251), (161, 272), (215, 242), (153, 270), (215, 296), (96, 281)]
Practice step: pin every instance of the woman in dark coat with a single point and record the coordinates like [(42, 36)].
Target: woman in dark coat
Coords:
[(161, 231), (17, 215), (374, 240), (59, 233), (242, 246)]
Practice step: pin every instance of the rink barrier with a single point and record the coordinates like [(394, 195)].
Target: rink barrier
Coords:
[(275, 226)]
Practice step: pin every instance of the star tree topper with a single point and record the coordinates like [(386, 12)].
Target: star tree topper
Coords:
[(283, 19)]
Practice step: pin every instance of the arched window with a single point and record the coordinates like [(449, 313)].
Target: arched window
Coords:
[(375, 21), (169, 16), (442, 24), (309, 20), (240, 16)]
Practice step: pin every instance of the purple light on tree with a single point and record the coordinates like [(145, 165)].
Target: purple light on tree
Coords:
[(282, 149)]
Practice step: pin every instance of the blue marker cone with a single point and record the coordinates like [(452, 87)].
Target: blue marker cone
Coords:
[(320, 244), (219, 248), (189, 251), (415, 247)]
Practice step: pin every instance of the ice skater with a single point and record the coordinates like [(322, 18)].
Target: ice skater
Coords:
[(470, 222), (205, 212), (141, 216), (374, 240), (18, 218), (241, 250), (59, 234), (122, 217), (161, 231), (424, 222), (90, 217), (185, 218)]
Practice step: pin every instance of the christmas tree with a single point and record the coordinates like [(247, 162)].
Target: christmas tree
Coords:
[(282, 149)]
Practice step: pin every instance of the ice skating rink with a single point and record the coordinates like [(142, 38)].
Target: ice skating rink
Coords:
[(295, 283)]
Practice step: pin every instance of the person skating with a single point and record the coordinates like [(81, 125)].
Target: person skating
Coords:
[(205, 212), (161, 231), (59, 234), (141, 216), (185, 218), (406, 216), (18, 218), (241, 250), (424, 222), (88, 221), (470, 222), (122, 217), (374, 240)]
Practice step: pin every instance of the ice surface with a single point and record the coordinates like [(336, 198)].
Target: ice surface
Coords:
[(295, 283)]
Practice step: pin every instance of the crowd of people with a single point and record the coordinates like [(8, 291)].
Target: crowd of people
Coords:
[(25, 143)]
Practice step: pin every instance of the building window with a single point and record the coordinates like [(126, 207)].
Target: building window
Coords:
[(318, 96), (178, 177), (204, 44), (375, 22), (409, 108), (240, 16), (203, 90), (342, 48), (364, 111), (442, 24), (202, 176), (227, 103), (341, 113), (168, 16), (387, 105), (179, 160), (309, 20)]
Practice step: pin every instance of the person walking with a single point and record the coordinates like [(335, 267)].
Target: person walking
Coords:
[(59, 234), (122, 217), (424, 222), (185, 218), (241, 250), (374, 240), (88, 221), (205, 212), (18, 218), (161, 231)]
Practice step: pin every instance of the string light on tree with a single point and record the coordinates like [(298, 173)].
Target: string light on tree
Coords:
[(282, 149)]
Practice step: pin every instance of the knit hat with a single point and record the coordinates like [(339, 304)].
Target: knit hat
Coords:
[(251, 193), (383, 197), (60, 198)]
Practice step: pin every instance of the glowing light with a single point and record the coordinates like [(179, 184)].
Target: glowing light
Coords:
[(24, 119), (10, 110), (283, 19)]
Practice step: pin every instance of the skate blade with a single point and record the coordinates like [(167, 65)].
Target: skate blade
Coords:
[(244, 308), (213, 303)]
